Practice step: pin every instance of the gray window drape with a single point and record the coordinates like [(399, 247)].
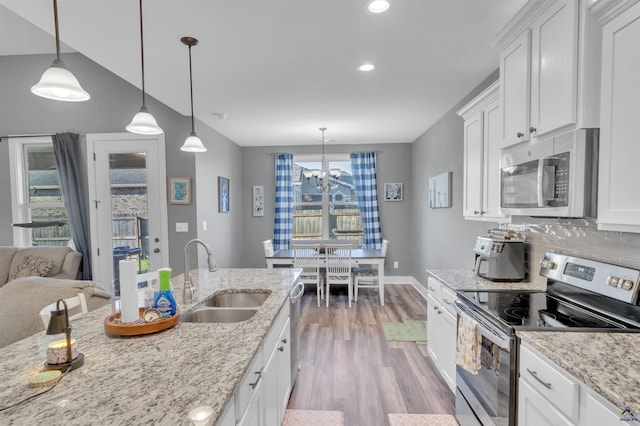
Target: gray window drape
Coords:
[(73, 184)]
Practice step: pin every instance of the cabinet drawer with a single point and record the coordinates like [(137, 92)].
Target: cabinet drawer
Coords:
[(448, 296), (276, 328), (249, 384), (549, 380), (434, 289)]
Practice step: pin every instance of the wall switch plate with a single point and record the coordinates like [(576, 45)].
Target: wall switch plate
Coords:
[(182, 227), (204, 225), (395, 264)]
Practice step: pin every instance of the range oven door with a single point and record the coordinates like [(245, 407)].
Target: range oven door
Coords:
[(489, 393)]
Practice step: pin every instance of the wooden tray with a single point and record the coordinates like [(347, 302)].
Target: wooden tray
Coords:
[(113, 326)]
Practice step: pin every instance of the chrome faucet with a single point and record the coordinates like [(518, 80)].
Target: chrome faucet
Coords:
[(188, 287)]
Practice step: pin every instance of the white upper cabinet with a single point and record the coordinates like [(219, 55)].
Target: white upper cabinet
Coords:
[(618, 177), (549, 74), (482, 126)]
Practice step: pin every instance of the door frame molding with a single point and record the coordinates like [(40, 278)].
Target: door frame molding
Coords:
[(92, 139)]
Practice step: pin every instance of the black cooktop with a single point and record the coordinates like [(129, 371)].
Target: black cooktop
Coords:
[(534, 310)]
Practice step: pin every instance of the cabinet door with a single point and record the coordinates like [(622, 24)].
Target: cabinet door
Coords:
[(515, 90), (554, 68), (473, 164), (433, 330), (492, 143), (449, 329), (284, 370), (535, 410), (618, 200), (597, 413)]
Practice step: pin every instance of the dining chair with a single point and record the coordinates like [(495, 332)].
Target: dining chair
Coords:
[(268, 249), (366, 276), (338, 258), (77, 303), (307, 257)]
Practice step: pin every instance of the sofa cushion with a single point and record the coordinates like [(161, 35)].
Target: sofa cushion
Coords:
[(32, 266), (6, 256), (56, 254)]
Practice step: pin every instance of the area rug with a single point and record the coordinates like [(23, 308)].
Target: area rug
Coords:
[(422, 420), (313, 418), (408, 331)]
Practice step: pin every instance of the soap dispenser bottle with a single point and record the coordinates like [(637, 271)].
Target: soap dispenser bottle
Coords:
[(165, 301)]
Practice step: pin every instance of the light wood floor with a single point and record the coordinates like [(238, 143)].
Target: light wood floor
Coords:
[(348, 365)]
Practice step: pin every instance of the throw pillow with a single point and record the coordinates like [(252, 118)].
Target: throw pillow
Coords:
[(32, 266)]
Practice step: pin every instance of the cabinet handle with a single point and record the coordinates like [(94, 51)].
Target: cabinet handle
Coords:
[(476, 212), (532, 129), (254, 384), (284, 340), (446, 301), (439, 311), (281, 348), (520, 134), (535, 376)]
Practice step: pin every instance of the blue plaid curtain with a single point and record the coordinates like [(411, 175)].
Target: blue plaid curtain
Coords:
[(283, 225), (363, 167)]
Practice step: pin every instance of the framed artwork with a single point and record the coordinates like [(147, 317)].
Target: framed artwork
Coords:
[(223, 194), (258, 200), (440, 191), (179, 190), (393, 192)]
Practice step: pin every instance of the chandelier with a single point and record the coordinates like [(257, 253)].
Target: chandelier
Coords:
[(323, 180)]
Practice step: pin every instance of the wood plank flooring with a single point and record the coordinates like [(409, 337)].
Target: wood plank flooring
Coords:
[(348, 365)]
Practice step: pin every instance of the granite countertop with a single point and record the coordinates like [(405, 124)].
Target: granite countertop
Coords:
[(467, 280), (606, 362), (152, 379)]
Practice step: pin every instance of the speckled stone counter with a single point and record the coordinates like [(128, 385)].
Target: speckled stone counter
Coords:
[(154, 379), (606, 362), (467, 280)]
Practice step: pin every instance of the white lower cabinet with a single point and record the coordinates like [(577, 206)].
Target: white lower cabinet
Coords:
[(549, 396), (441, 330), (262, 396)]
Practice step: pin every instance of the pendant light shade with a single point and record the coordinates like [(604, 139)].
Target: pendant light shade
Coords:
[(143, 122), (193, 142), (57, 82)]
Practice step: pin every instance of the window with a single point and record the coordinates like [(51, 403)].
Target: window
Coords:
[(35, 194), (331, 214)]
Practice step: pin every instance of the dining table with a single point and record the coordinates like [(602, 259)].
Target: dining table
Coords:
[(359, 257)]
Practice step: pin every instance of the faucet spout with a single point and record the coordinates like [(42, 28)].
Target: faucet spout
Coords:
[(189, 288)]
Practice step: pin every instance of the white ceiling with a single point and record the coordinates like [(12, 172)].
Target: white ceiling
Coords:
[(281, 69)]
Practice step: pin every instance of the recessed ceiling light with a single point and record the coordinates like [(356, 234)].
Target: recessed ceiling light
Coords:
[(366, 67), (220, 115), (378, 6)]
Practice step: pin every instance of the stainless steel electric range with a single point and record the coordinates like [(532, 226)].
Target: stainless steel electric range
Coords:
[(582, 295)]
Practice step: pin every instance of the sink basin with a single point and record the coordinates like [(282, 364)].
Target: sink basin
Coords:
[(237, 300), (218, 315)]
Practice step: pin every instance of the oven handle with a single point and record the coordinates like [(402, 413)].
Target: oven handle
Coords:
[(500, 339)]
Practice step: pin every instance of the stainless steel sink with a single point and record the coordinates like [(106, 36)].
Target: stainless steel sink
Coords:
[(237, 300), (214, 315)]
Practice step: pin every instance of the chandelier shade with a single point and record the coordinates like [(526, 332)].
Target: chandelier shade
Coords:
[(57, 82)]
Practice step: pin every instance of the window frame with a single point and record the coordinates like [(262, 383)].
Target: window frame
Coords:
[(326, 202), (20, 204)]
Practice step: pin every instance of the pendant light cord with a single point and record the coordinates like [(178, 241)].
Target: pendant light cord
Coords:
[(141, 52), (55, 18), (193, 127)]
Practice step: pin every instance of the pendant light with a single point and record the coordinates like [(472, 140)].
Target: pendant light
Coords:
[(57, 82), (143, 122), (193, 142), (322, 179)]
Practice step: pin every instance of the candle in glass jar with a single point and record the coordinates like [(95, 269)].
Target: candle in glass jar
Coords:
[(57, 352)]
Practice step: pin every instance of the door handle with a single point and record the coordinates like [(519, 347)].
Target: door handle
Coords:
[(156, 250)]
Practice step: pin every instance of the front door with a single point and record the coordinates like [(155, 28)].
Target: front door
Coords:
[(127, 189)]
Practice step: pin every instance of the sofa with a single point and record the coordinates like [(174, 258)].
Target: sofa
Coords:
[(34, 277)]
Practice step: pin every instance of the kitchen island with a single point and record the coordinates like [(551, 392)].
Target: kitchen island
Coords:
[(153, 379)]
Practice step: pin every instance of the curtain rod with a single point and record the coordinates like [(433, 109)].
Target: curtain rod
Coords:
[(328, 153), (27, 136)]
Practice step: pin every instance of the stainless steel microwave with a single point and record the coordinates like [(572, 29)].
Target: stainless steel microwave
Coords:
[(552, 177)]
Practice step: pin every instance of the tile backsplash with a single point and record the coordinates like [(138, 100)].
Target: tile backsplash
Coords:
[(578, 237)]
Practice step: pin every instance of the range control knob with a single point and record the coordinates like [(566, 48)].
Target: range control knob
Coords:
[(627, 285), (547, 264), (613, 281)]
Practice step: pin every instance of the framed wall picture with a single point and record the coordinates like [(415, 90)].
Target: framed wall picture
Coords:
[(223, 194), (440, 191), (393, 192), (258, 200), (179, 190)]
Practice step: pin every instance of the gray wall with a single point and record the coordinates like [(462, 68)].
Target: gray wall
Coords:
[(441, 237), (258, 168), (113, 103)]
